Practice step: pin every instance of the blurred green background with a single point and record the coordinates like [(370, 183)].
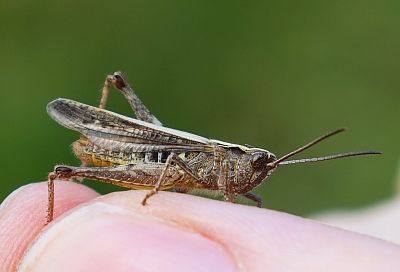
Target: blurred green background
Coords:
[(273, 74)]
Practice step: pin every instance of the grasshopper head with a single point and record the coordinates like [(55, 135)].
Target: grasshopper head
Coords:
[(255, 165)]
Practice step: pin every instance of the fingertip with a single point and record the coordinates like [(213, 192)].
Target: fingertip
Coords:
[(117, 231), (110, 237), (223, 224)]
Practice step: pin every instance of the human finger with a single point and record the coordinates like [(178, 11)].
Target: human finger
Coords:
[(176, 232)]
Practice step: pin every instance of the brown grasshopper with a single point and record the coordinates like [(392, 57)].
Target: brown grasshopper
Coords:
[(143, 154)]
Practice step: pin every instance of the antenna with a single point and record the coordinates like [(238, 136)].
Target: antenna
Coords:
[(331, 157), (282, 160)]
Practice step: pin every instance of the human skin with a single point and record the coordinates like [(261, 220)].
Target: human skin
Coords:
[(174, 232)]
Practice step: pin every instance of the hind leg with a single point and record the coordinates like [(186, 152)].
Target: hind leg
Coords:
[(141, 111)]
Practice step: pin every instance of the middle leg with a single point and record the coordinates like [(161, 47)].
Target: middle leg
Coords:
[(172, 160)]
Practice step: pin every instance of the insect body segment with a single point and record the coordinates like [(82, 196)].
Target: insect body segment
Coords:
[(142, 154), (98, 155)]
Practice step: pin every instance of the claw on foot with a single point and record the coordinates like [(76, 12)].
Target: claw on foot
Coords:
[(148, 195)]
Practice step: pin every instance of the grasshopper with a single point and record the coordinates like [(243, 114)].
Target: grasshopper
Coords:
[(143, 154)]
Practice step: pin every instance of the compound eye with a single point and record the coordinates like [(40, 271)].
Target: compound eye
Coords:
[(259, 161)]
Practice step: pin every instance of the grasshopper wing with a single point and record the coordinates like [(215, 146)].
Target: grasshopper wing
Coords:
[(107, 127)]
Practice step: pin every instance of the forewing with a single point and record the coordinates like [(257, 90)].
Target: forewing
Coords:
[(100, 125), (128, 147)]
